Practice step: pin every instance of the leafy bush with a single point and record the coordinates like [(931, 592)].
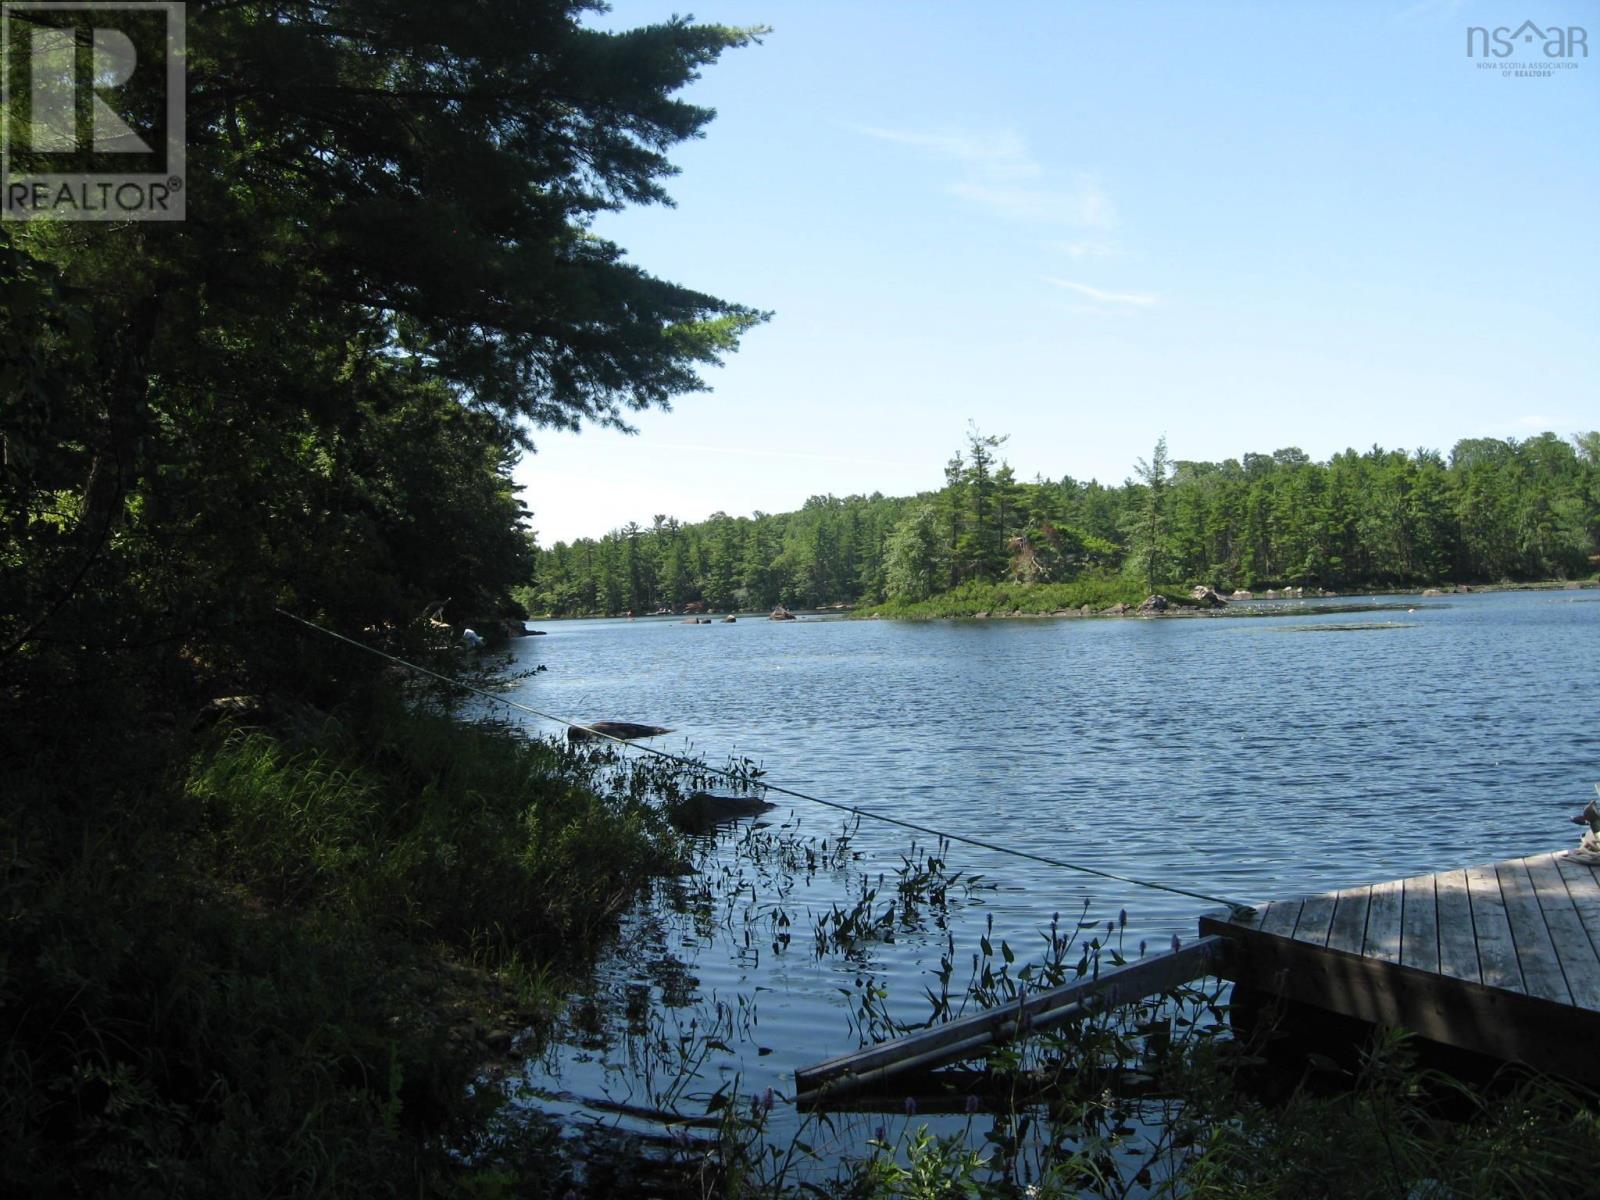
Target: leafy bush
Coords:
[(252, 976)]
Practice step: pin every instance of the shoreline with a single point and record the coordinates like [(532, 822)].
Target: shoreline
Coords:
[(1176, 609)]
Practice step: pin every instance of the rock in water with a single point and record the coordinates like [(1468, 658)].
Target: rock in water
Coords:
[(700, 812), (626, 730)]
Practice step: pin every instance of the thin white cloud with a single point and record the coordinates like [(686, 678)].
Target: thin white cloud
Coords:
[(1100, 296), (1001, 154), (1085, 205), (998, 173), (1084, 249)]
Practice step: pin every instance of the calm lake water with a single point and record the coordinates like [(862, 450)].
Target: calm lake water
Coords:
[(1248, 757)]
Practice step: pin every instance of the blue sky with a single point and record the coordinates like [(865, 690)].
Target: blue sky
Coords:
[(1086, 225)]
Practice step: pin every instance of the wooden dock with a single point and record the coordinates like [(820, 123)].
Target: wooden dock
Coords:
[(1502, 959)]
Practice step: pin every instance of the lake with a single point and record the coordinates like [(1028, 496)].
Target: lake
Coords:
[(1240, 756)]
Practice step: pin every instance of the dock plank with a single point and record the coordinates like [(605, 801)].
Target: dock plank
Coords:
[(1584, 888), (1316, 915), (1419, 925), (1458, 944), (975, 1034), (1536, 953), (1579, 961), (1349, 928), (1383, 922), (1497, 949), (1281, 917)]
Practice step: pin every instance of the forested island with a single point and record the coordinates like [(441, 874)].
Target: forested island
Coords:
[(1492, 510)]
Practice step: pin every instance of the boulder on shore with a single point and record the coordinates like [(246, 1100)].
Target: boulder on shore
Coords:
[(1241, 594), (295, 717), (781, 614), (1154, 604), (1207, 596), (1116, 610)]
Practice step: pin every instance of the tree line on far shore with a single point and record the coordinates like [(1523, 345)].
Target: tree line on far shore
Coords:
[(1490, 510)]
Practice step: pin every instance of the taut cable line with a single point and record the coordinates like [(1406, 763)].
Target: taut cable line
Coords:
[(776, 789)]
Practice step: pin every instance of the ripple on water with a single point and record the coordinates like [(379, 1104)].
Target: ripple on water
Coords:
[(1186, 752)]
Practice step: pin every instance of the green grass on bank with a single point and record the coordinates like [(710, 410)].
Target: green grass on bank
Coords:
[(255, 964), (1006, 599)]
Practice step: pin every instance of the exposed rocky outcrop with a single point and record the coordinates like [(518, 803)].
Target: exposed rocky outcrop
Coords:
[(1154, 604), (781, 614), (1207, 597)]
